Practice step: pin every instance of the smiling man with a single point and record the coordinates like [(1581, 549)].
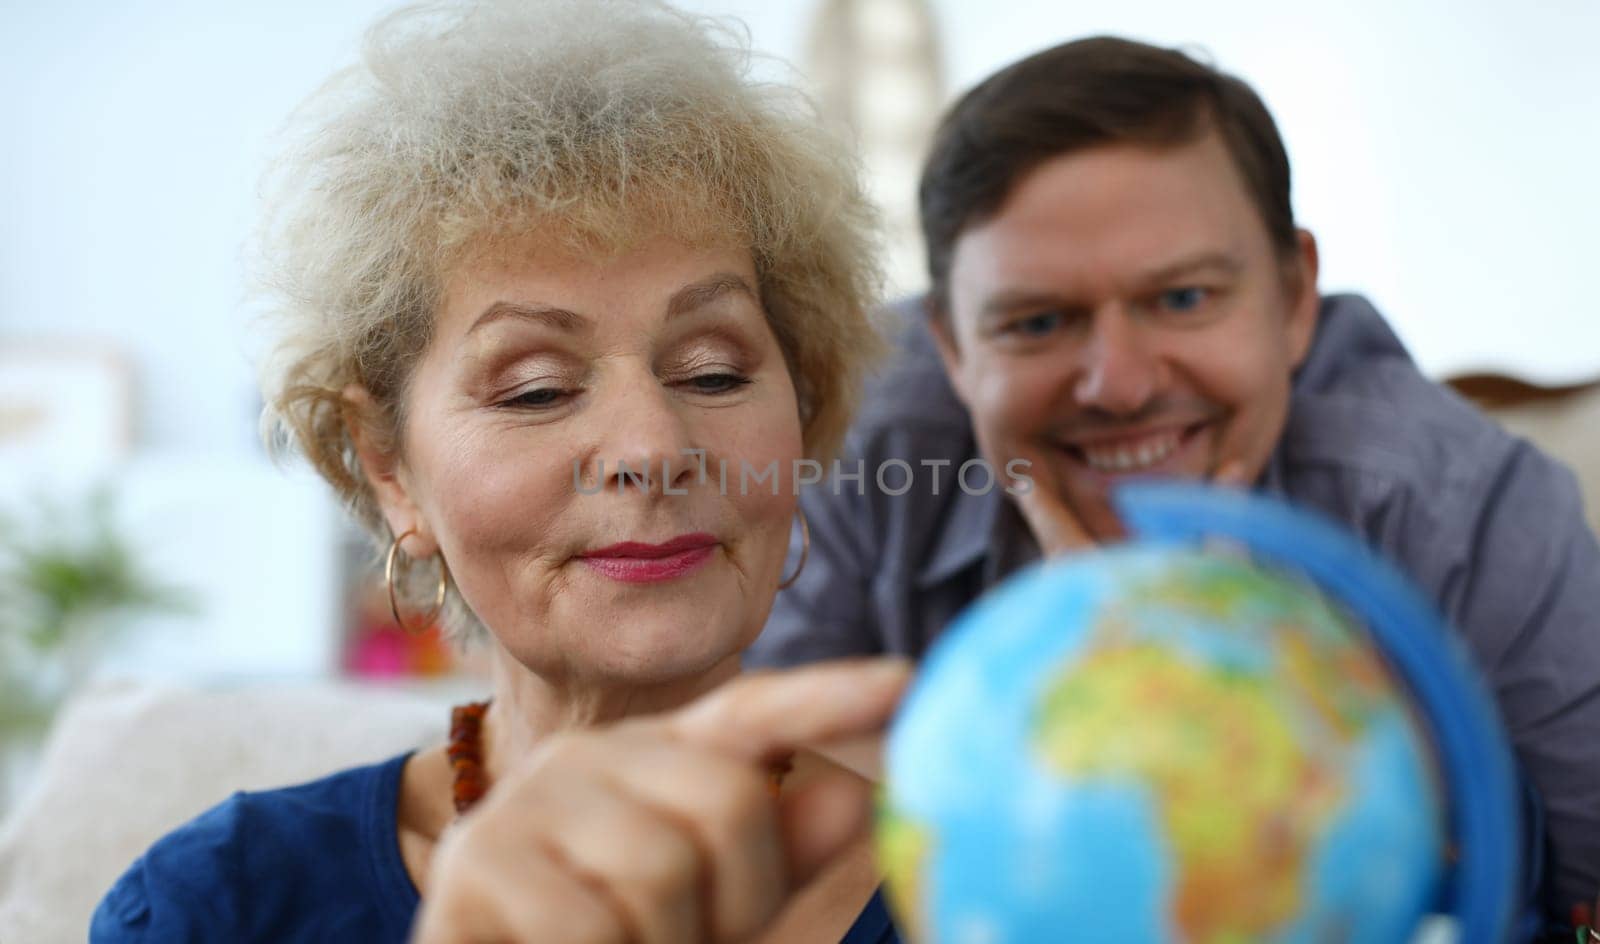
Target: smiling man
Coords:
[(1122, 311), (1118, 288)]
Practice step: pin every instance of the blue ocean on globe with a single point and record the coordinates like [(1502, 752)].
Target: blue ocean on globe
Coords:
[(1240, 725), (1160, 742)]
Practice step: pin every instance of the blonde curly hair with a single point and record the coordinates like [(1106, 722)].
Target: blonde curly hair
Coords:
[(605, 121)]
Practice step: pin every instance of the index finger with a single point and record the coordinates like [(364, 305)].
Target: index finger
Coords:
[(1053, 523), (1231, 473), (759, 717)]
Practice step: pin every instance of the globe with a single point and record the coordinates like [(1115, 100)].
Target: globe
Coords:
[(1165, 741)]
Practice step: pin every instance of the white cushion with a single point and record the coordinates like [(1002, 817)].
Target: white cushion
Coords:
[(128, 763)]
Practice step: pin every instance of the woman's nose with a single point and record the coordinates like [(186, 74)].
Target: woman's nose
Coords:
[(1120, 371), (645, 442)]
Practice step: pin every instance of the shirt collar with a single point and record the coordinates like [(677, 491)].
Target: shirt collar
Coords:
[(963, 537), (974, 530)]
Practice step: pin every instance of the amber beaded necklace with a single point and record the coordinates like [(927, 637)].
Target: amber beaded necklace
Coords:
[(470, 781)]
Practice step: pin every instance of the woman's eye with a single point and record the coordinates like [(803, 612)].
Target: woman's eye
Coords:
[(716, 383), (538, 397), (1036, 326), (1183, 299)]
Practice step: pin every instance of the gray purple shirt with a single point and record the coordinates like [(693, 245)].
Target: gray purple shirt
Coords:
[(1489, 527)]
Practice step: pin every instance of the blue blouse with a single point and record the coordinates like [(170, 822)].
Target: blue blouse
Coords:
[(315, 862)]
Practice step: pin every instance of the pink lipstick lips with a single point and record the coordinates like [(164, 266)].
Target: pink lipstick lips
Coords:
[(636, 562)]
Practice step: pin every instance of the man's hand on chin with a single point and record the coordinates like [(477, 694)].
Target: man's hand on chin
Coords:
[(1044, 508), (1052, 520)]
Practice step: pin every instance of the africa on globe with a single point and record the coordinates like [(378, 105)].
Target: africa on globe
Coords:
[(1159, 743)]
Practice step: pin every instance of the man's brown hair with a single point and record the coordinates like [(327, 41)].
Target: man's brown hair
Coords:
[(1084, 94)]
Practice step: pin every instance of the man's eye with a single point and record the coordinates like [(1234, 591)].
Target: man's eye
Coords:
[(1036, 326), (1183, 299), (716, 383)]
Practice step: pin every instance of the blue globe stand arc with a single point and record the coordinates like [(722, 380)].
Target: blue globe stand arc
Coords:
[(1471, 746)]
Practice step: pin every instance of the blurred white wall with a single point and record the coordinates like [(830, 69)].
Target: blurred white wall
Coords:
[(133, 136), (1444, 153)]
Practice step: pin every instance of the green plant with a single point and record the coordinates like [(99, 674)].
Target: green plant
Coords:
[(66, 578)]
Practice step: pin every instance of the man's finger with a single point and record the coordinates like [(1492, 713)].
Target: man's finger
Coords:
[(765, 715), (1053, 523), (1231, 474)]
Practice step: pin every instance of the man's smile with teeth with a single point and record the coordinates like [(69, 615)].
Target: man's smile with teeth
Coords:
[(1130, 453)]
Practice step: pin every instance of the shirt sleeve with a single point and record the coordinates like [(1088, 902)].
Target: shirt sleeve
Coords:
[(122, 917), (178, 890), (827, 613), (1530, 607), (135, 912)]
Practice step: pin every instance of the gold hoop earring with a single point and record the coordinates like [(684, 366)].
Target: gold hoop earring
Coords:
[(394, 603), (805, 550)]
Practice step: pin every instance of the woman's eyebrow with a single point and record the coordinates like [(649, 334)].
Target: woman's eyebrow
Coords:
[(693, 296), (558, 319), (707, 290)]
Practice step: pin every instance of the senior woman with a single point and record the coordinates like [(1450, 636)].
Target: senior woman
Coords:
[(519, 247)]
